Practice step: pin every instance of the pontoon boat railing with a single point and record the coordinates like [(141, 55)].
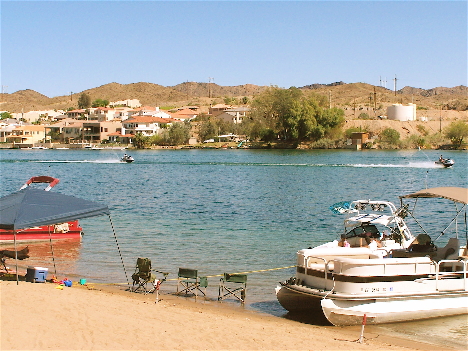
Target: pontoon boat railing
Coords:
[(441, 275), (325, 264)]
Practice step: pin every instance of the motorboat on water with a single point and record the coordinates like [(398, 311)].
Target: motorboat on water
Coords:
[(379, 271), (67, 230), (127, 158), (446, 162)]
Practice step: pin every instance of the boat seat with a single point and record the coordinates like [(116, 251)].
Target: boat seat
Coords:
[(357, 241), (449, 251)]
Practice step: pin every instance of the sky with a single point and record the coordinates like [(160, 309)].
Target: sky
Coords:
[(59, 47)]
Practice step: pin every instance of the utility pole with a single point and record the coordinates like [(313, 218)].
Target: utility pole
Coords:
[(210, 79), (329, 99), (440, 120), (394, 85), (375, 100), (71, 95)]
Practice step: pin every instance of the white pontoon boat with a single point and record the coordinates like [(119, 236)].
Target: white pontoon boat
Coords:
[(385, 273)]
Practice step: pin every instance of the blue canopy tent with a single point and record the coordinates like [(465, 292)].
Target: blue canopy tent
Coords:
[(32, 207)]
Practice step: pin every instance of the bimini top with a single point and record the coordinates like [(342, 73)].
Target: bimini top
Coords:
[(450, 193)]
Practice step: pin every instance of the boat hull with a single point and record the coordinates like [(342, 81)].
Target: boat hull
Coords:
[(378, 310), (295, 299), (446, 164), (70, 230)]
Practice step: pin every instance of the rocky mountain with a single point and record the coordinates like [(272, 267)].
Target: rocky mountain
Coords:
[(340, 94)]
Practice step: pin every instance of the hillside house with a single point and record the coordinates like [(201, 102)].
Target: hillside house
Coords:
[(234, 115), (153, 111), (27, 134), (184, 115), (95, 132), (218, 109), (117, 137), (146, 125), (34, 116), (68, 128), (131, 103), (6, 128), (76, 113), (101, 114)]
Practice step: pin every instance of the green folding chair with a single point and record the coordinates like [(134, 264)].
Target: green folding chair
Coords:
[(233, 285), (189, 283), (144, 275)]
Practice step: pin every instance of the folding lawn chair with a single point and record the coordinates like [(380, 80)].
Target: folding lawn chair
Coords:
[(144, 275), (190, 282), (234, 285)]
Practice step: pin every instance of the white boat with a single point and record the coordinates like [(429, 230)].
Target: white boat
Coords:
[(39, 148), (396, 277)]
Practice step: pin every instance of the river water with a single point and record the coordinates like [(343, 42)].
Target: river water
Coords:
[(222, 210)]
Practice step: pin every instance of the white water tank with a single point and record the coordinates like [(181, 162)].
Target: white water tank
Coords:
[(400, 112)]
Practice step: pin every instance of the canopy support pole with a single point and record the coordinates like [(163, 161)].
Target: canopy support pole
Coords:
[(118, 248), (52, 251), (453, 220), (16, 257)]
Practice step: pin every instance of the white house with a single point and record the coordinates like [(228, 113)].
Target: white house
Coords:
[(33, 116), (153, 111), (6, 128), (132, 103), (146, 125)]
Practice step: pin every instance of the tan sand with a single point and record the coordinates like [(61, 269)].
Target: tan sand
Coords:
[(41, 317)]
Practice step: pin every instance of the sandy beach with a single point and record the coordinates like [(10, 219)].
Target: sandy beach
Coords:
[(39, 316)]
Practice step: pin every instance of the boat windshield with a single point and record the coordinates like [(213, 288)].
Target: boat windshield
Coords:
[(363, 230)]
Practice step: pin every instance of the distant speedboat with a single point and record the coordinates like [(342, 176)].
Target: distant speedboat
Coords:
[(127, 158), (446, 162), (39, 148)]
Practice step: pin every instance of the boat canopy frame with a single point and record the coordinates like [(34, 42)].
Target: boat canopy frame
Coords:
[(455, 194)]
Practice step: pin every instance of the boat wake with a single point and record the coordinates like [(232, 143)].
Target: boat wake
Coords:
[(424, 164), (78, 161)]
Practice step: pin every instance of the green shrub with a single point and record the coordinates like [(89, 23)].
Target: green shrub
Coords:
[(390, 136)]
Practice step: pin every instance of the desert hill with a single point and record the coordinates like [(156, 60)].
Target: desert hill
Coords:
[(343, 95)]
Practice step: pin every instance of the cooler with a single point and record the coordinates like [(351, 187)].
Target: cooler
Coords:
[(36, 274)]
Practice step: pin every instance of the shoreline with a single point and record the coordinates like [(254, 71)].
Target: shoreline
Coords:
[(105, 317)]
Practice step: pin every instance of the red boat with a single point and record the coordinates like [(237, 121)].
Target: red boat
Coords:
[(68, 230)]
